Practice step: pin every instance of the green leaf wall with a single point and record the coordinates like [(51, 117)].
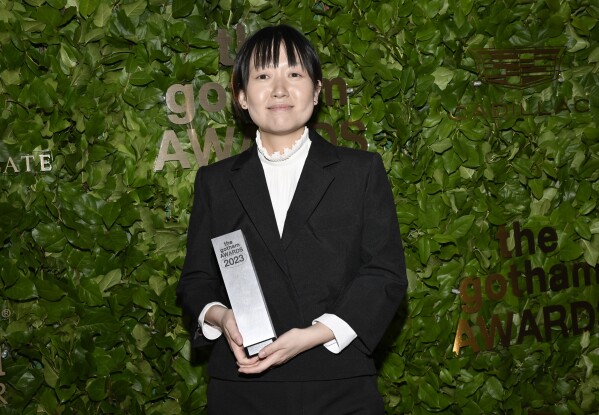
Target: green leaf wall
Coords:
[(93, 238)]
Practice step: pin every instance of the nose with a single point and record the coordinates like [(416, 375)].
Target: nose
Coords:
[(279, 88)]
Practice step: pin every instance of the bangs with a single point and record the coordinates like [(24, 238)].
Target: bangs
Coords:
[(267, 53)]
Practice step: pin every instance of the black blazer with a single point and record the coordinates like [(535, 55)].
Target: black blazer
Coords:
[(340, 253)]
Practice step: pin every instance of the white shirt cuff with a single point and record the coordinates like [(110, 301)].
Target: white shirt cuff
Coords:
[(342, 331), (209, 332)]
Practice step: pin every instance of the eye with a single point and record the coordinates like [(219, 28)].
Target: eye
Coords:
[(262, 76), (296, 75)]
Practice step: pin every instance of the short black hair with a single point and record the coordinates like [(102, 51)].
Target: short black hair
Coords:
[(263, 46)]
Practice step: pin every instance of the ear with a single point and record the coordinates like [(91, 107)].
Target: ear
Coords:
[(241, 98), (317, 92)]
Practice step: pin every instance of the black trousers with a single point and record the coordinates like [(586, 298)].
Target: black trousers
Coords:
[(355, 396)]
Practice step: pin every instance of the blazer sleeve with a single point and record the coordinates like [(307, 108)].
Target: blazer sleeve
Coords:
[(370, 301), (200, 281)]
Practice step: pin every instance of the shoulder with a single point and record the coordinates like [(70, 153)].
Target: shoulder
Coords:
[(346, 156), (225, 166), (357, 156)]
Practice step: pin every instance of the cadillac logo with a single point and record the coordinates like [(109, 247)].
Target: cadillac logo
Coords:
[(518, 68)]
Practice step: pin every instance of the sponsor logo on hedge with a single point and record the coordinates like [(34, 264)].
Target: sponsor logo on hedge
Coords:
[(38, 162), (521, 69), (518, 68)]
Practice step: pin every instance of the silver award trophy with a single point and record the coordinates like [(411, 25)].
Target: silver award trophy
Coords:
[(243, 289)]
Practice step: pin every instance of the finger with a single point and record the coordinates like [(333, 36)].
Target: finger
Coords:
[(245, 361), (264, 364), (241, 357), (259, 367), (269, 351), (235, 337), (278, 344), (239, 352), (233, 332)]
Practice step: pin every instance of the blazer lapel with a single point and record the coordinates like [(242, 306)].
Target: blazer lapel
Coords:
[(250, 185), (312, 185)]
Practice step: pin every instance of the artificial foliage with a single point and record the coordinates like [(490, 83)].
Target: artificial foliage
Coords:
[(93, 234)]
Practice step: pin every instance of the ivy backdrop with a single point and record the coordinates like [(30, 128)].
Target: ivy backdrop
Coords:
[(91, 250)]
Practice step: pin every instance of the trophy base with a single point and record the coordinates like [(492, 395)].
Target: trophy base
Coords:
[(254, 349)]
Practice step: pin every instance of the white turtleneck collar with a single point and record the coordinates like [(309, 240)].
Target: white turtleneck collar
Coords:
[(276, 157)]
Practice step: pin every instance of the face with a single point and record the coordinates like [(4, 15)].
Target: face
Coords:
[(280, 101)]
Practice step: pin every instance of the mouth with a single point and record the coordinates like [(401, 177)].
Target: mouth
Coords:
[(280, 107)]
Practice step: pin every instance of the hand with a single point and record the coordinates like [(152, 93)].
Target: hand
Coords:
[(287, 346), (225, 319)]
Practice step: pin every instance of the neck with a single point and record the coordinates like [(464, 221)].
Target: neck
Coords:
[(278, 143)]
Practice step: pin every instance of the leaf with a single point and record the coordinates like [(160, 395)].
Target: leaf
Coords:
[(114, 241), (102, 14), (141, 298), (87, 7), (167, 241), (24, 289), (494, 387), (49, 290), (188, 372), (141, 78), (582, 228), (443, 77), (96, 389), (431, 397), (135, 9), (182, 8), (441, 146), (460, 226), (50, 375), (109, 280), (141, 336), (49, 236), (143, 98), (110, 212), (89, 292)]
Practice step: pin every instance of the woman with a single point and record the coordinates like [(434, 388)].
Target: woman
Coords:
[(321, 227)]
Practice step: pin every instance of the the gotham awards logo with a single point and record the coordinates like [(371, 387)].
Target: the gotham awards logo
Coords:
[(182, 103), (519, 69), (529, 280)]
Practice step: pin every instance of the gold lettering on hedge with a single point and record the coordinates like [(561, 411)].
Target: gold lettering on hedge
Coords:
[(346, 132), (169, 139), (223, 40), (202, 155), (211, 142), (183, 113), (221, 100), (327, 86), (464, 337), (524, 279)]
